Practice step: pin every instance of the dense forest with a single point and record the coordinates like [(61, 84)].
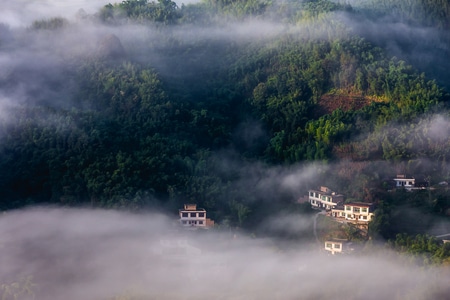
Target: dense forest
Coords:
[(151, 104)]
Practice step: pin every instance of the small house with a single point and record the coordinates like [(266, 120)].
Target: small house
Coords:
[(403, 181), (358, 212), (192, 216), (338, 246)]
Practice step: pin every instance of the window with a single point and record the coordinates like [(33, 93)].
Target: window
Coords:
[(343, 214), (184, 215), (201, 215), (200, 222), (364, 209), (364, 217), (311, 194), (193, 215), (356, 209), (329, 245), (337, 246), (348, 208)]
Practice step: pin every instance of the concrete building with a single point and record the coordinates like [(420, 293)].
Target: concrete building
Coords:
[(191, 216), (324, 198), (358, 212), (402, 181), (338, 246)]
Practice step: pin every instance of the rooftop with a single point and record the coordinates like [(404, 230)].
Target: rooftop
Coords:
[(359, 204), (325, 191), (192, 207), (336, 240), (403, 176)]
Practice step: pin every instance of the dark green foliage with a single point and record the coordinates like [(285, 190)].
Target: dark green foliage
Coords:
[(288, 87), (238, 9), (50, 24), (434, 13), (423, 249), (162, 11), (155, 123), (414, 30), (413, 213)]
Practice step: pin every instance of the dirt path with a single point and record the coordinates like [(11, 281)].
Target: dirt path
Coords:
[(322, 212)]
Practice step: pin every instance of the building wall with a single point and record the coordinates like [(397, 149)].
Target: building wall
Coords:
[(326, 199), (338, 246), (334, 247), (358, 213), (193, 218), (404, 182), (338, 213)]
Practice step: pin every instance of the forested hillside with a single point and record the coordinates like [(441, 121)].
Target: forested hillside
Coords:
[(146, 104)]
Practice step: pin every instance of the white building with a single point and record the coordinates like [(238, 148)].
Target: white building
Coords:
[(401, 181), (338, 212), (338, 246), (193, 217), (358, 212), (324, 198)]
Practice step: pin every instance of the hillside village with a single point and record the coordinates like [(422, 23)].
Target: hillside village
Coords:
[(332, 205), (357, 215)]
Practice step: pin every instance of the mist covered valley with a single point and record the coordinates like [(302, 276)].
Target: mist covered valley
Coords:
[(113, 116)]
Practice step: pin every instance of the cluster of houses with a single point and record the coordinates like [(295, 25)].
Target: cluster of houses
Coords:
[(358, 214)]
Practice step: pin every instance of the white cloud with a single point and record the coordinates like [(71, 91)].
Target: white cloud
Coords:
[(21, 13), (95, 254)]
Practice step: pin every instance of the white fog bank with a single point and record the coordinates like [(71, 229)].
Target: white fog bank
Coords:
[(96, 254)]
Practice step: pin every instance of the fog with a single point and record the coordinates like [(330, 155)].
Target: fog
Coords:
[(20, 13), (424, 47), (95, 254), (37, 66)]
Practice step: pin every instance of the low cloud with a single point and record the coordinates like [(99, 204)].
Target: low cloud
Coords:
[(97, 254), (21, 13), (439, 128)]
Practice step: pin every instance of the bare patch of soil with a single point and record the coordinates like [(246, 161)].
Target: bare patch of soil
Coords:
[(345, 101)]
